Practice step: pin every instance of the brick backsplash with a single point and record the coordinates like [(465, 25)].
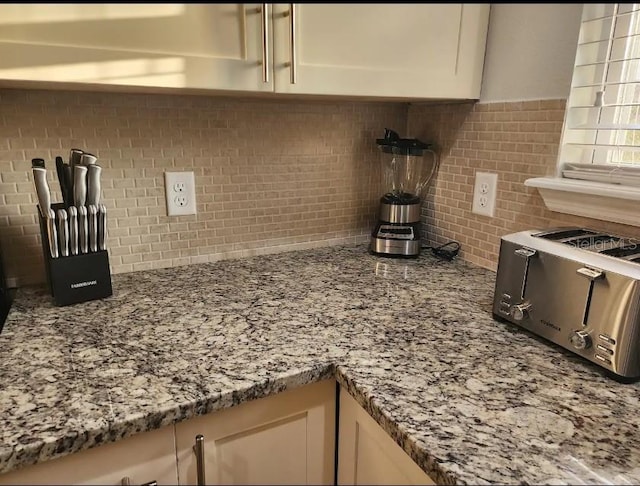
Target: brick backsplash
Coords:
[(516, 140), (270, 175)]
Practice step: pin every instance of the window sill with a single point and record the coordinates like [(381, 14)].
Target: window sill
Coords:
[(598, 200)]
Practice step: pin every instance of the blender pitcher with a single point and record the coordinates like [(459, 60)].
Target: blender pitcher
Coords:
[(406, 173)]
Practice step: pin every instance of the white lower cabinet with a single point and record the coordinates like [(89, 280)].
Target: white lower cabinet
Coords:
[(140, 459), (288, 438), (366, 453)]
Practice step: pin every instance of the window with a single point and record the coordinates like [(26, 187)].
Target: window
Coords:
[(601, 134), (598, 172)]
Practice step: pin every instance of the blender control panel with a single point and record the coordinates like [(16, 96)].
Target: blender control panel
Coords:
[(395, 232)]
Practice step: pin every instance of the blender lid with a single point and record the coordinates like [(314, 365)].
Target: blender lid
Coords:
[(393, 144)]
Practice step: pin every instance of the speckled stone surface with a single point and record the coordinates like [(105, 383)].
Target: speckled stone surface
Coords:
[(470, 399)]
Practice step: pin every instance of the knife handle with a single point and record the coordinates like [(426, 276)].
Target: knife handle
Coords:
[(93, 184), (74, 157), (93, 227), (52, 234), (88, 159), (79, 185), (83, 230), (68, 181), (63, 232), (102, 227), (42, 190), (73, 229)]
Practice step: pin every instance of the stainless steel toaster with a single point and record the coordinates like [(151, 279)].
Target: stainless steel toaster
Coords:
[(578, 288)]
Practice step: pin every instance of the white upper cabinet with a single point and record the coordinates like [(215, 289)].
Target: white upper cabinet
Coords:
[(410, 51), (201, 46), (388, 50)]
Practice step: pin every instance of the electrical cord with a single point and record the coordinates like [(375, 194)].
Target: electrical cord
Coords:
[(447, 251)]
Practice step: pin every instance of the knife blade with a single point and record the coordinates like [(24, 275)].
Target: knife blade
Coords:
[(79, 185), (42, 190), (83, 229), (88, 159), (94, 184), (73, 229), (102, 227), (52, 234), (63, 232), (62, 181), (93, 227)]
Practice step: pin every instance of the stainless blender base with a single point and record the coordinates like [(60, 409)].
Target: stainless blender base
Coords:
[(395, 247)]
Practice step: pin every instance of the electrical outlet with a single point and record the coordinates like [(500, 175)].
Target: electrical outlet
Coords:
[(180, 190), (484, 194)]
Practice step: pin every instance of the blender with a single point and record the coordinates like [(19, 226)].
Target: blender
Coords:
[(406, 172)]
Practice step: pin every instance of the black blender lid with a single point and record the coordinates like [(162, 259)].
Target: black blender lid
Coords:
[(393, 144)]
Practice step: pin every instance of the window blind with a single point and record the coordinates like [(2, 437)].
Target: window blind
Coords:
[(601, 132)]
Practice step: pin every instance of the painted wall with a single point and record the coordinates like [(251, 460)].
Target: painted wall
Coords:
[(530, 51)]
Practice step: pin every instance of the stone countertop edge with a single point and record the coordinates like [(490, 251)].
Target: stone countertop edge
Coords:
[(418, 454)]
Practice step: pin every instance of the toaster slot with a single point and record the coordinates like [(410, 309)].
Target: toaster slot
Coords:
[(564, 234), (623, 251), (585, 242)]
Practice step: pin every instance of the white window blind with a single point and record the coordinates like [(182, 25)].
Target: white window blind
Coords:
[(601, 133)]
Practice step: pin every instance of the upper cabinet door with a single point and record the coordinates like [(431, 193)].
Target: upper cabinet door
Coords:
[(202, 46), (387, 50)]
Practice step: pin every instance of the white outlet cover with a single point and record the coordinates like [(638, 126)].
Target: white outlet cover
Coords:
[(484, 194), (173, 196)]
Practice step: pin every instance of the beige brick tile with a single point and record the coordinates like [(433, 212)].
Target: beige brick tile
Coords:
[(527, 148), (303, 180)]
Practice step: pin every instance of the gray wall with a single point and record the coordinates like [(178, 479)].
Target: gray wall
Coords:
[(530, 51)]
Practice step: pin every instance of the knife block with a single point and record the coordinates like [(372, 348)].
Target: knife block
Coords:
[(75, 278)]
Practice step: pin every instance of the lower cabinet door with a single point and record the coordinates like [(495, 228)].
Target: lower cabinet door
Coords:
[(287, 438), (143, 458), (366, 453)]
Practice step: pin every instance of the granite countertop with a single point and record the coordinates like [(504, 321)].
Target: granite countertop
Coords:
[(470, 399)]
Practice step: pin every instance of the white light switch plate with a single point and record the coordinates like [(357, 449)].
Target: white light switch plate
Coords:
[(484, 194), (180, 190)]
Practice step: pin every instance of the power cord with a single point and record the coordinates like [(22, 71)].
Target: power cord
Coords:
[(448, 251)]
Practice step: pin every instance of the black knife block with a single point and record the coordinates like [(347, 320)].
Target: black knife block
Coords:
[(75, 278)]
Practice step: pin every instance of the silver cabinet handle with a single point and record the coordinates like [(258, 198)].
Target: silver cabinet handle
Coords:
[(266, 64), (292, 42), (198, 449)]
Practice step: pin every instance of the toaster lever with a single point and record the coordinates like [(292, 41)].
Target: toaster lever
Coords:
[(590, 273), (526, 253)]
